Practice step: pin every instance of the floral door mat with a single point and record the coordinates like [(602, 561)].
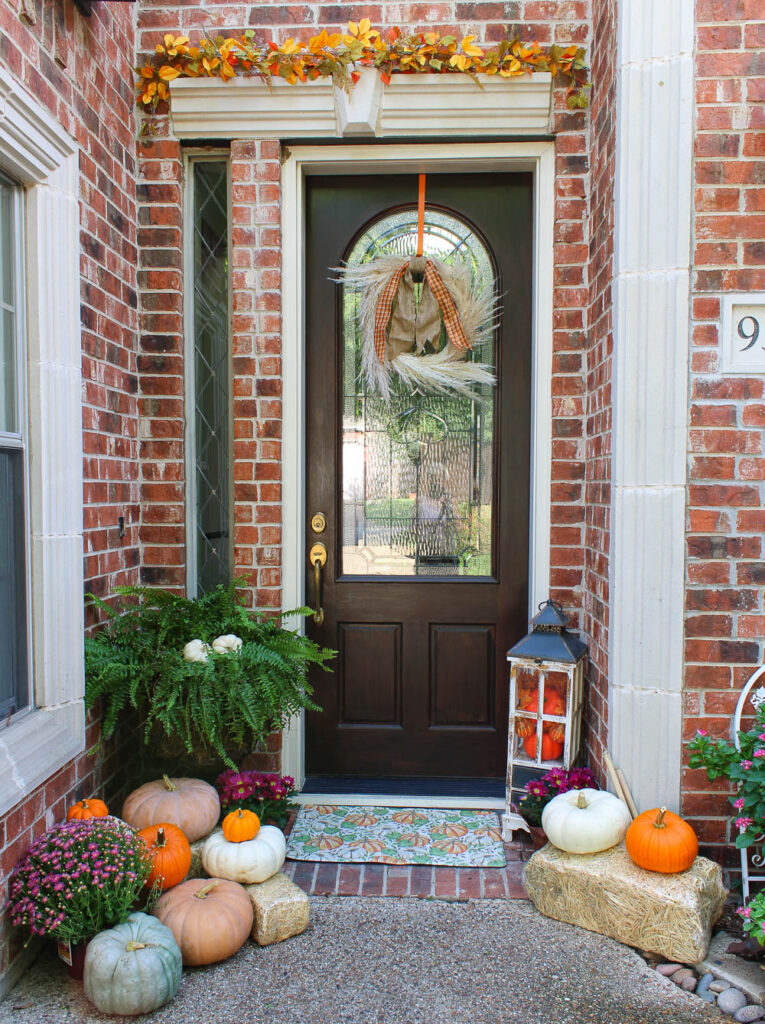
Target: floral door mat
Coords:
[(397, 835)]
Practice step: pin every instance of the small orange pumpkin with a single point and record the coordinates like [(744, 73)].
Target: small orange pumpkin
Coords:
[(171, 854), (87, 809), (241, 825), (659, 840), (551, 749)]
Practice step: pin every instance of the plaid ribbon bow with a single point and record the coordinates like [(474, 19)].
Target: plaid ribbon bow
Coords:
[(446, 304)]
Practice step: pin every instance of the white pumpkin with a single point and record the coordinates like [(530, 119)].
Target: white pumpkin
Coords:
[(196, 650), (585, 820), (229, 643), (133, 968), (254, 860)]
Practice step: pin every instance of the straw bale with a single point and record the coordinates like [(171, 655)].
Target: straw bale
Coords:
[(197, 869), (670, 915)]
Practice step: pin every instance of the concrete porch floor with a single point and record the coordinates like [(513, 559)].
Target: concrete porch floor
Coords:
[(400, 961)]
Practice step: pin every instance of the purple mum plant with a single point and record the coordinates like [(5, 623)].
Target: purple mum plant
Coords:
[(79, 878)]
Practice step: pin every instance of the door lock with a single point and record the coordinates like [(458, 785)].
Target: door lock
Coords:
[(318, 522), (317, 556)]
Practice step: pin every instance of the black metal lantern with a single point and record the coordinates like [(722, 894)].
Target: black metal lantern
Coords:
[(546, 688)]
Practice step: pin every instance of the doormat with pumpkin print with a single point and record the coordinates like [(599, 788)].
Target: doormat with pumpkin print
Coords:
[(397, 835)]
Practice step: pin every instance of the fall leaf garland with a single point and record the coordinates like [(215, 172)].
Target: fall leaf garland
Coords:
[(340, 56)]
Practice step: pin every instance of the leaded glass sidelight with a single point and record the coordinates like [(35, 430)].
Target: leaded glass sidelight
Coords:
[(418, 472), (14, 683), (211, 512)]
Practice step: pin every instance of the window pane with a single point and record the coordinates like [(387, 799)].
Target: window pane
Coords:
[(211, 368), (8, 312), (13, 616), (418, 472)]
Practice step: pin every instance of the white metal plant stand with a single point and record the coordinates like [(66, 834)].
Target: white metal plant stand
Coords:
[(757, 860)]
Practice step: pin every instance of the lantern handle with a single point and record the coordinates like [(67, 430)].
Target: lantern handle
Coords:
[(555, 604)]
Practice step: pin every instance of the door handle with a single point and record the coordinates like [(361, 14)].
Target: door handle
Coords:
[(317, 556)]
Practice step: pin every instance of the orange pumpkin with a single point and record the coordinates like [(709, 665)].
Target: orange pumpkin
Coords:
[(171, 854), (659, 840), (241, 825), (551, 749), (554, 704), (87, 809)]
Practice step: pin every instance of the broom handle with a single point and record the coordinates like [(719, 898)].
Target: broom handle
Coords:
[(420, 214), (627, 793), (613, 776)]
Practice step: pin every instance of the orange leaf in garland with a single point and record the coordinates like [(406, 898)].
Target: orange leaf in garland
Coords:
[(171, 854), (87, 809)]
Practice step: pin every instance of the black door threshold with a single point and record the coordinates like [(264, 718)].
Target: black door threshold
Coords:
[(415, 787)]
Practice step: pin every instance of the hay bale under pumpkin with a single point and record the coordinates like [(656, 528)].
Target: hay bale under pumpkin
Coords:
[(670, 915)]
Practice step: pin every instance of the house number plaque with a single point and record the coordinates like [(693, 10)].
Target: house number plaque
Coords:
[(743, 333)]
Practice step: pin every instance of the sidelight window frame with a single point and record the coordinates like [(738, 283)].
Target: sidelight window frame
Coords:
[(192, 158), (16, 440)]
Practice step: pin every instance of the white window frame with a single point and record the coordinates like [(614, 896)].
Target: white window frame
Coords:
[(43, 158), (18, 440)]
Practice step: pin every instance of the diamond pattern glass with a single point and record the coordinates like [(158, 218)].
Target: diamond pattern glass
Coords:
[(418, 473), (212, 375)]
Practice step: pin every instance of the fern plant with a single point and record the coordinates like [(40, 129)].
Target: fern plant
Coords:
[(231, 701)]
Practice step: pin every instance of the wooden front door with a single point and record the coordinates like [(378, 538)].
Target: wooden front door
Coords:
[(426, 499)]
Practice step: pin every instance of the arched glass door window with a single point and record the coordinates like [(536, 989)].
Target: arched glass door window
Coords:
[(418, 474)]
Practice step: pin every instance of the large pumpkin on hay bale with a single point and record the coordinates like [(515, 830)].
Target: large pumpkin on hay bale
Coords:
[(659, 840), (585, 820)]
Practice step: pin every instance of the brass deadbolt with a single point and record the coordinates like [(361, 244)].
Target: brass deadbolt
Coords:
[(318, 522)]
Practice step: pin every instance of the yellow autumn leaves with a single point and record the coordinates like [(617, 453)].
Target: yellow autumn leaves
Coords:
[(340, 55)]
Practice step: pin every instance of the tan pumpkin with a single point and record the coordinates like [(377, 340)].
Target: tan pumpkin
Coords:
[(191, 804), (209, 917)]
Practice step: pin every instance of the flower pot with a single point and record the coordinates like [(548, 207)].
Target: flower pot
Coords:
[(73, 955), (538, 837)]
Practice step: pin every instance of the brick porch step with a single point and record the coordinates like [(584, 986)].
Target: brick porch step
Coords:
[(326, 879)]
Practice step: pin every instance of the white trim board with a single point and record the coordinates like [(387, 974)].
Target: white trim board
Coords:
[(410, 106), (466, 803), (39, 154), (652, 254), (300, 162)]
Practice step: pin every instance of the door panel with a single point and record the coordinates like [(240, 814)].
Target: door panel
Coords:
[(426, 502)]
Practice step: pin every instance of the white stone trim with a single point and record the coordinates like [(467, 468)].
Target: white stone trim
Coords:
[(464, 803), (410, 106), (538, 157), (36, 151), (652, 256)]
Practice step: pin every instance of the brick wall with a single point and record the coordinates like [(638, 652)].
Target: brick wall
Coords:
[(79, 69), (257, 300), (725, 616), (599, 347)]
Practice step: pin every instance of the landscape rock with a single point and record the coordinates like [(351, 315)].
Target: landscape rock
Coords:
[(731, 1000), (689, 984), (719, 986), (670, 915), (750, 1013), (705, 983), (281, 910), (668, 969), (680, 976)]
